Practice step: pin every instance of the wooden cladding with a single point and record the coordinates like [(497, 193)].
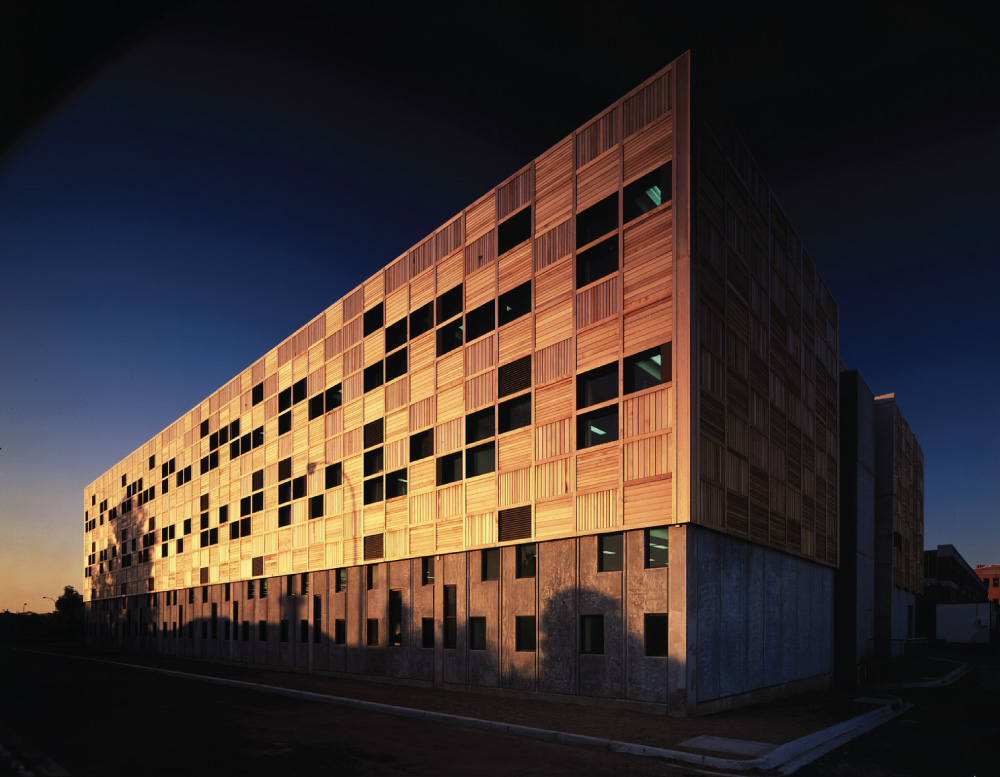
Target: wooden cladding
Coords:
[(648, 104), (514, 523), (597, 137), (374, 547), (514, 377)]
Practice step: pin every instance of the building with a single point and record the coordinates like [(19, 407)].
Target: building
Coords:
[(990, 575), (948, 579), (582, 439)]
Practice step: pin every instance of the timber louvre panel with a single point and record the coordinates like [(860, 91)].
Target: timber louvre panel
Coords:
[(514, 523)]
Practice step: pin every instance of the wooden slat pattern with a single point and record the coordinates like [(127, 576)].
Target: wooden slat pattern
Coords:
[(646, 105), (515, 194), (553, 245), (553, 186), (597, 137), (597, 181), (597, 302), (647, 151), (597, 510)]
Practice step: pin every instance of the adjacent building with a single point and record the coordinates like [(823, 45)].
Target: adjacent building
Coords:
[(990, 575), (582, 439)]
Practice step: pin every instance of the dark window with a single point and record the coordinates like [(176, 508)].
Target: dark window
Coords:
[(449, 304), (514, 523), (285, 469), (246, 505), (514, 303), (214, 441), (657, 554), (525, 560), (223, 435), (373, 376), (477, 633), (656, 634), (371, 576), (340, 580), (421, 445), (647, 369), (152, 463), (514, 413), (180, 547), (334, 397), (427, 570), (204, 433), (524, 633), (262, 631), (316, 506), (246, 631), (395, 365), (258, 393), (284, 399), (373, 491), (285, 492), (597, 220), (449, 337), (372, 632), (479, 321), (480, 460), (646, 193), (339, 631), (597, 262), (187, 526), (299, 487), (449, 468), (304, 584), (479, 425), (258, 501), (284, 629), (395, 335), (395, 484), (514, 231), (373, 461), (610, 552), (228, 592), (395, 618), (334, 475), (285, 422), (597, 427), (317, 619), (245, 531), (373, 319), (597, 385), (303, 630), (421, 320), (450, 616), (514, 377), (490, 564), (316, 406), (427, 632), (299, 391), (263, 588), (592, 634)]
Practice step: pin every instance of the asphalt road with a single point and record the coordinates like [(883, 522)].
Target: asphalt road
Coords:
[(102, 719)]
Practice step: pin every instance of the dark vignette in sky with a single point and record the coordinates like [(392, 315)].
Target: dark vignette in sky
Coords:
[(219, 174)]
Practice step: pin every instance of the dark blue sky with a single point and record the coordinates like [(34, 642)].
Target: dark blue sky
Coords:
[(217, 178)]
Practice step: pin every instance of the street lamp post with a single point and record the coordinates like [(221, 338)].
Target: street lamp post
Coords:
[(24, 608), (50, 599)]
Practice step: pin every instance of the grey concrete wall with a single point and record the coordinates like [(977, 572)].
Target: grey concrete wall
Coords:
[(762, 618)]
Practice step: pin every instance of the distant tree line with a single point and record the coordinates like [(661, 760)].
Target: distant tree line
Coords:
[(65, 625)]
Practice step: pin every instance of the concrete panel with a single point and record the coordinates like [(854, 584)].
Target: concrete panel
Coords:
[(817, 617), (557, 583), (484, 602), (753, 591), (456, 572), (601, 594), (397, 661), (647, 591), (354, 615), (789, 613), (519, 669), (732, 626), (707, 558), (319, 585), (803, 631), (422, 603)]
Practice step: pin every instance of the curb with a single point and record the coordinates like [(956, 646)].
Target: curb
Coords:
[(953, 676), (780, 756)]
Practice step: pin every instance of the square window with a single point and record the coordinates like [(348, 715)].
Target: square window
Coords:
[(246, 507), (316, 506), (339, 631), (395, 484), (597, 220), (657, 549), (514, 231), (299, 487), (284, 492), (373, 462), (258, 393), (334, 397), (449, 468), (373, 319), (477, 633), (611, 552), (340, 581), (334, 475), (299, 389), (395, 365), (449, 337), (646, 193), (524, 633), (490, 564), (285, 468), (479, 425), (514, 303), (316, 406), (395, 335), (244, 527), (373, 376), (427, 570), (597, 262), (514, 377), (285, 422), (373, 491), (648, 368), (449, 304), (257, 501), (514, 523), (656, 634), (422, 445), (480, 460), (480, 321), (592, 634), (597, 385), (525, 560), (427, 632), (258, 436), (597, 427), (514, 413), (421, 320)]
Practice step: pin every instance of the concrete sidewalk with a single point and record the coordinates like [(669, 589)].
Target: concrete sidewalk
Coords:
[(780, 736)]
